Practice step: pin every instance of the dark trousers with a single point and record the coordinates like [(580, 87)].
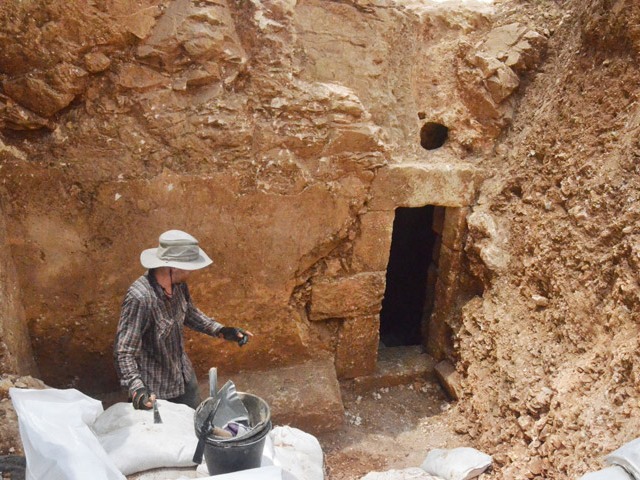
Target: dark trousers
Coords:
[(191, 396)]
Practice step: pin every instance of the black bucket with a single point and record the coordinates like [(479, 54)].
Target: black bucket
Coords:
[(226, 455)]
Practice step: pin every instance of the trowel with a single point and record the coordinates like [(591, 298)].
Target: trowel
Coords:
[(156, 413)]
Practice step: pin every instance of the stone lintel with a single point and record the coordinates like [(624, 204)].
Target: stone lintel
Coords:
[(417, 185), (347, 297), (305, 396)]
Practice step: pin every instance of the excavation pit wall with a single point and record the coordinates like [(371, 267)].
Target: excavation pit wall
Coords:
[(299, 95), (285, 161), (335, 266)]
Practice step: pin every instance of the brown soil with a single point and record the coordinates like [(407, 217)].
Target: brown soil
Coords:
[(389, 428)]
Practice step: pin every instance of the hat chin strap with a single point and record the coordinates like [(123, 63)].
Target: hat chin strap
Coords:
[(167, 291)]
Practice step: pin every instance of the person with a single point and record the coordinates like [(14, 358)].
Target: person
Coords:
[(149, 348)]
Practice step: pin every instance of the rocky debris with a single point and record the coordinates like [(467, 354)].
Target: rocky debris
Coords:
[(555, 332), (10, 443), (15, 117), (16, 381), (488, 244), (491, 70)]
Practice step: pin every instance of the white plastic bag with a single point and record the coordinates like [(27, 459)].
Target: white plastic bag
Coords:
[(627, 457), (611, 473), (462, 463), (262, 473), (298, 453), (58, 444), (135, 443), (413, 473)]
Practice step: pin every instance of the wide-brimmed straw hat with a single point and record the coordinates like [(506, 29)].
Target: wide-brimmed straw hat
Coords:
[(177, 249)]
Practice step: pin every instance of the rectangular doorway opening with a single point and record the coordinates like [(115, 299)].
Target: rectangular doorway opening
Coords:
[(406, 300)]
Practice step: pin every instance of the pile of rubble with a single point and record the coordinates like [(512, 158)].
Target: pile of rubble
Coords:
[(9, 434)]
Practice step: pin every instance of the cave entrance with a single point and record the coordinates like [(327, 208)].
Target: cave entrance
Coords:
[(411, 278)]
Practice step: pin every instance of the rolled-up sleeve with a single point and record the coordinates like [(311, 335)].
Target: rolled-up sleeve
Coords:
[(128, 342)]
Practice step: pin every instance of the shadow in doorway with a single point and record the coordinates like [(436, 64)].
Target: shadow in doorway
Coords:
[(403, 305)]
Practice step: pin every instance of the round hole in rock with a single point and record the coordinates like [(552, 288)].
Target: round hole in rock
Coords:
[(433, 135)]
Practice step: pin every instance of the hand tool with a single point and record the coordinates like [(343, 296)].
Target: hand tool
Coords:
[(156, 413)]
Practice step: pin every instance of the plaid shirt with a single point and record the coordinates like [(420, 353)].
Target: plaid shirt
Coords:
[(149, 347)]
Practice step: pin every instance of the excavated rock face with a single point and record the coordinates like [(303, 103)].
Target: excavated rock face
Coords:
[(281, 134), (550, 351)]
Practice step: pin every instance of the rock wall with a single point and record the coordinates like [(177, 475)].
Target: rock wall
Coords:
[(16, 356), (549, 353), (282, 143)]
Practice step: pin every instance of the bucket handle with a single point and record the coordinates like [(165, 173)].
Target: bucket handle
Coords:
[(197, 456)]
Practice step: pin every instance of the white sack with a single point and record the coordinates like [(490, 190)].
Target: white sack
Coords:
[(462, 463), (413, 473), (611, 473), (262, 473), (58, 444), (135, 443), (627, 457), (298, 453)]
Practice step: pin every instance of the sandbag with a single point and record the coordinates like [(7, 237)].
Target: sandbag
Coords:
[(262, 473), (413, 473), (627, 457), (298, 453), (135, 443), (610, 473), (462, 463), (57, 440)]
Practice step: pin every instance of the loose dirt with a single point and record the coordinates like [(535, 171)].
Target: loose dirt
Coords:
[(389, 428)]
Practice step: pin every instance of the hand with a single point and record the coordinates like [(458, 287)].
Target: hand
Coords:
[(234, 334), (142, 399)]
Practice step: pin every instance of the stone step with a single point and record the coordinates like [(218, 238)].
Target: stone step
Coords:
[(305, 396), (397, 366)]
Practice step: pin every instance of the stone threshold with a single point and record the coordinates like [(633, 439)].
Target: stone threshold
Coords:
[(308, 396)]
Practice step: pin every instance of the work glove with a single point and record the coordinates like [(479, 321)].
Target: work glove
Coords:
[(234, 334), (139, 397)]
